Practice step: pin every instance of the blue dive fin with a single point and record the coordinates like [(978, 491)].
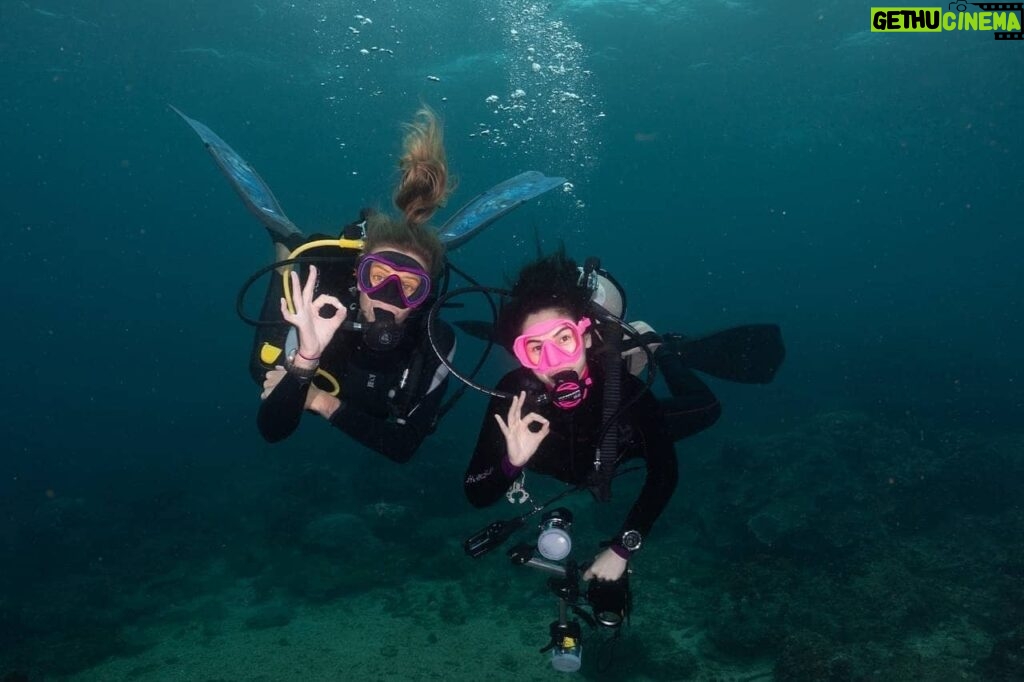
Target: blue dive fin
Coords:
[(250, 186), (493, 204)]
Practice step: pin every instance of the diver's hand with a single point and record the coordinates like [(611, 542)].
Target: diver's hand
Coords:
[(315, 332), (271, 381), (274, 377), (321, 402), (522, 442), (607, 566), (317, 400)]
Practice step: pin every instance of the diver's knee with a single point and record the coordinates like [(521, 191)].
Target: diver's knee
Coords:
[(683, 418)]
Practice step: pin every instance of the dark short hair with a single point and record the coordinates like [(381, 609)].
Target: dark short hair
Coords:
[(549, 282)]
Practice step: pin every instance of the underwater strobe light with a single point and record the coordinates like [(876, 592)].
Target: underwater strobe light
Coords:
[(554, 542)]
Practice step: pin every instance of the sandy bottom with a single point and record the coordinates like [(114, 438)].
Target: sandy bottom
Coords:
[(361, 638)]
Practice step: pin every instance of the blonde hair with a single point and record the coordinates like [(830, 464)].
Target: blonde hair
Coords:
[(423, 188)]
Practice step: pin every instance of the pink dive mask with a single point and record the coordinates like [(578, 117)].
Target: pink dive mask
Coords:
[(563, 350)]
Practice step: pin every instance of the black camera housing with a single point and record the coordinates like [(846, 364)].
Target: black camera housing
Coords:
[(611, 601)]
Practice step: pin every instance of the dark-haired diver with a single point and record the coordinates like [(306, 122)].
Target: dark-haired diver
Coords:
[(574, 396), (344, 336)]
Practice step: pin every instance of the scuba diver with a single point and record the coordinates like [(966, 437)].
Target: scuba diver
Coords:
[(547, 324), (376, 380), (342, 328), (575, 410), (575, 394)]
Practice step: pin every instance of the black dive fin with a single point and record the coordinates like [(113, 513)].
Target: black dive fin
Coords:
[(748, 354), (476, 328)]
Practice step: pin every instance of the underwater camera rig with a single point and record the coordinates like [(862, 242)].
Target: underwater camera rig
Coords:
[(603, 605)]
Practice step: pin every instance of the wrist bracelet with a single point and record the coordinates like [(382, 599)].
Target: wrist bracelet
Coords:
[(302, 373), (313, 359)]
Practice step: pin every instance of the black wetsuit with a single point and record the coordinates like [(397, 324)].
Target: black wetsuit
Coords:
[(567, 453), (389, 399), (692, 407)]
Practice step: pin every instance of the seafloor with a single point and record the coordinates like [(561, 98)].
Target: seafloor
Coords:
[(845, 548)]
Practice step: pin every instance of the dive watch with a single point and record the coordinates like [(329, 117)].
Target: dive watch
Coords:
[(631, 540)]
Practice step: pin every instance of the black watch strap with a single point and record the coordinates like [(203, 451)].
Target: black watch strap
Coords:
[(303, 374)]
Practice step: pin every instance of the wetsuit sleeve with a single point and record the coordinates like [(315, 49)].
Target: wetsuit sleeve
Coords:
[(398, 439), (662, 475), (692, 407), (281, 411), (489, 473)]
